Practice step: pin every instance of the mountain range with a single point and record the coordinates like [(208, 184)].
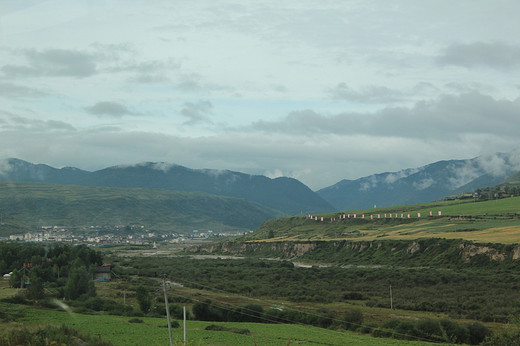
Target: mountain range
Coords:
[(423, 184), (286, 195)]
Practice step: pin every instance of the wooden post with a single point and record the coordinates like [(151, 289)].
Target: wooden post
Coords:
[(167, 310)]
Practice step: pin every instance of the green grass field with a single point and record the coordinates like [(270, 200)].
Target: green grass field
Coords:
[(153, 331), (496, 221)]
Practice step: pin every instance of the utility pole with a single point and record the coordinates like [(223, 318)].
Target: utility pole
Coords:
[(391, 299), (124, 296), (167, 310), (184, 317)]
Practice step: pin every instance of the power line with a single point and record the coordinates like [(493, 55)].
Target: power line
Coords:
[(276, 319)]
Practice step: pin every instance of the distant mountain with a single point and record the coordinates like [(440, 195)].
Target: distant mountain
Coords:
[(284, 194), (27, 206), (513, 180), (423, 184)]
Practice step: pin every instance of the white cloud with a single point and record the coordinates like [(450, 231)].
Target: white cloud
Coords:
[(318, 91), (393, 177), (5, 167), (424, 184)]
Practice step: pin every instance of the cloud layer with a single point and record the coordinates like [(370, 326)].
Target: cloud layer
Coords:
[(319, 92)]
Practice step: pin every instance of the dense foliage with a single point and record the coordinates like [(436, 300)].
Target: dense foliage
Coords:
[(61, 271), (486, 294)]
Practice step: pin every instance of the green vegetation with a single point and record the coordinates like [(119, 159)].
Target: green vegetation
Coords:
[(50, 336), (26, 206), (118, 331), (489, 221), (477, 292), (444, 288), (512, 181)]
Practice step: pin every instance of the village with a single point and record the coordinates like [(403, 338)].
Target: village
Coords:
[(105, 236)]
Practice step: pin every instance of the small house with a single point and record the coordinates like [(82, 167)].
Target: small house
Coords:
[(103, 273)]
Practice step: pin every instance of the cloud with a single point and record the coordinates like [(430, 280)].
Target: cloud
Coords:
[(53, 62), (449, 117), (151, 71), (162, 166), (111, 109), (17, 123), (495, 55), (372, 94), (394, 176), (10, 90), (424, 184), (5, 167), (197, 112), (369, 184), (496, 165)]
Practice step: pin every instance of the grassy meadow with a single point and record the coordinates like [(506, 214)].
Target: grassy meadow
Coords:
[(496, 221), (153, 331)]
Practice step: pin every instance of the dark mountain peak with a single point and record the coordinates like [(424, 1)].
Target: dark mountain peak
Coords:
[(423, 184)]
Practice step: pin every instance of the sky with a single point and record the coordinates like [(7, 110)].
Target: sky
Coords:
[(316, 90)]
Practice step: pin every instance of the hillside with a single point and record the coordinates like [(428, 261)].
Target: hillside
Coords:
[(496, 221), (513, 180), (420, 185), (287, 195), (25, 206), (466, 233)]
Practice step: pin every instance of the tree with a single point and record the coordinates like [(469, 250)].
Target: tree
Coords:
[(79, 284), (35, 289), (16, 278), (143, 299), (3, 267)]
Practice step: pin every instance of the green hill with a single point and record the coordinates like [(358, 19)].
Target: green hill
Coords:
[(513, 180), (496, 221), (26, 206)]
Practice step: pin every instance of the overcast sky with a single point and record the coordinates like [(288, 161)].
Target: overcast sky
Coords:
[(316, 90)]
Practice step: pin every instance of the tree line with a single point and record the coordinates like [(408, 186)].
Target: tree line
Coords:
[(61, 270)]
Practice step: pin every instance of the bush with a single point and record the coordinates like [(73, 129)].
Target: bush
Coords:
[(454, 332), (477, 333), (353, 319), (226, 329), (50, 336), (353, 296), (507, 337), (135, 320), (429, 329)]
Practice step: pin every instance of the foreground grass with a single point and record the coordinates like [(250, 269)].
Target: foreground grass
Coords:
[(153, 331)]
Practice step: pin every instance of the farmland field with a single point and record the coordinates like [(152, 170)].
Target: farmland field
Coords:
[(496, 221)]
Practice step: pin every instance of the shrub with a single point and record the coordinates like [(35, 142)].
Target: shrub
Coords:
[(353, 319), (226, 329), (453, 332), (50, 336), (429, 329), (477, 333), (136, 320)]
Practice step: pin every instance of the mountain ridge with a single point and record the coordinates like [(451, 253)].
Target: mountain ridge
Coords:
[(26, 206), (287, 195), (422, 184)]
